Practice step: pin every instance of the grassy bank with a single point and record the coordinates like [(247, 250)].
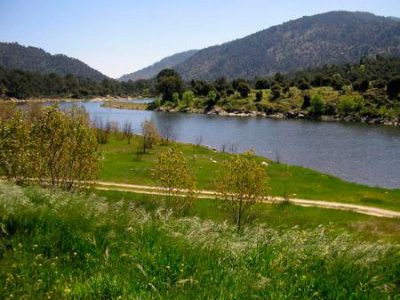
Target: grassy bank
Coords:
[(122, 164), (120, 104), (279, 216), (55, 245)]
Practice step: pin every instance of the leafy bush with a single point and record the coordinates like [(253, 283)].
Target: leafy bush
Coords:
[(348, 104), (317, 105)]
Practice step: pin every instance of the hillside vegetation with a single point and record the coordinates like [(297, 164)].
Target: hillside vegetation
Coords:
[(328, 38), (15, 56), (153, 70), (367, 91)]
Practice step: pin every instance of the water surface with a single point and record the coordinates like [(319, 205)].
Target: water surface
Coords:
[(367, 154)]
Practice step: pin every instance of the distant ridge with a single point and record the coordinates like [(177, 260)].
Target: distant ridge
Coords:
[(16, 56), (329, 38), (153, 70)]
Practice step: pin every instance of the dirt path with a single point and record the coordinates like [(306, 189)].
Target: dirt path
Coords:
[(154, 190)]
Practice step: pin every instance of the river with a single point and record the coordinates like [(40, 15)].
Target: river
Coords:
[(366, 154)]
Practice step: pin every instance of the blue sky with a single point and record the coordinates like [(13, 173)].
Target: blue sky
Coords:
[(121, 36)]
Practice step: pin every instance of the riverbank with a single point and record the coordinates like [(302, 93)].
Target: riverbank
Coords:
[(291, 114), (123, 163), (63, 99), (125, 105), (317, 103)]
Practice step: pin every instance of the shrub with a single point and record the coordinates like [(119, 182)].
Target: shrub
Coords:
[(348, 104), (150, 135), (243, 89), (393, 87), (57, 148), (275, 92), (361, 85), (306, 101), (240, 184), (262, 84), (187, 98), (317, 105), (173, 173), (259, 96)]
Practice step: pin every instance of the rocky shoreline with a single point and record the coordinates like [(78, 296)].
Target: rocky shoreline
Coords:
[(292, 114)]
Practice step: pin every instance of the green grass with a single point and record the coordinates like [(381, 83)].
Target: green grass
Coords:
[(279, 216), (121, 164), (59, 246)]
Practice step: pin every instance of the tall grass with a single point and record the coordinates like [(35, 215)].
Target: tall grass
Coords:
[(57, 245)]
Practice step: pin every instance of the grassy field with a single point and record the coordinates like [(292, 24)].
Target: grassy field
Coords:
[(279, 216), (122, 164), (60, 246)]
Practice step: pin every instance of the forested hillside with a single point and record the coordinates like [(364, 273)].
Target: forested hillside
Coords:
[(28, 84), (329, 38), (15, 56), (152, 71)]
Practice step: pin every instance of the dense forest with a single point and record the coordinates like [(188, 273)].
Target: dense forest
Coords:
[(378, 72), (16, 56), (334, 37), (27, 84)]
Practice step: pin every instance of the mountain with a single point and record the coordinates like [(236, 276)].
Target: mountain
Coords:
[(153, 70), (329, 38), (15, 56)]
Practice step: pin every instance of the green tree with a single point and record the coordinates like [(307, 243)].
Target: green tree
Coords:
[(262, 84), (168, 82), (240, 183), (275, 91), (211, 98), (175, 98), (173, 173), (349, 104), (187, 98), (58, 148), (393, 87), (361, 85), (66, 150), (317, 105), (243, 89), (16, 157), (259, 96), (306, 101)]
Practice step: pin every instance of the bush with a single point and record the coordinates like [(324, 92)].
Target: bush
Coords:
[(243, 89), (57, 148), (361, 85), (187, 98), (317, 105), (275, 92), (348, 104), (262, 84), (150, 134), (259, 96), (393, 87), (175, 98), (306, 101)]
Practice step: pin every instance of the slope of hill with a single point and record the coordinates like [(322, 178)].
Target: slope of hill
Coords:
[(152, 71), (15, 56), (329, 38)]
